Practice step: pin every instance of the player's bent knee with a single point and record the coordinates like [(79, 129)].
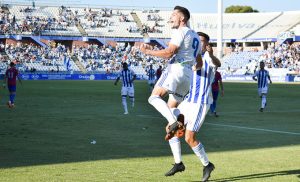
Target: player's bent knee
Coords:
[(190, 137), (152, 98)]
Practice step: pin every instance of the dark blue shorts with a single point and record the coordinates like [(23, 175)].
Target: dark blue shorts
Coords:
[(12, 88)]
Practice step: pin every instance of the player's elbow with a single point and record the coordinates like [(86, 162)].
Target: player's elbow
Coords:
[(168, 55)]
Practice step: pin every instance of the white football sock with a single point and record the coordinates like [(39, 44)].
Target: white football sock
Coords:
[(162, 107), (132, 101), (263, 101), (201, 154), (124, 102), (176, 149)]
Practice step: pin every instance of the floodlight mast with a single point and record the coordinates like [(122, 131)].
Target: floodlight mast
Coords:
[(220, 30)]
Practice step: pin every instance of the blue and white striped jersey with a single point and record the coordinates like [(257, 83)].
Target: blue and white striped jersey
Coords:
[(262, 78), (200, 89), (126, 76), (151, 74)]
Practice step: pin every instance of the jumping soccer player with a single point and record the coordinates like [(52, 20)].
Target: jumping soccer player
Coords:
[(262, 83), (194, 109), (10, 78), (128, 76), (183, 48)]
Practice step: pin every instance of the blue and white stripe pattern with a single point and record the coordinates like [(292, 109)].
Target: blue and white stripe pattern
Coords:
[(163, 78), (127, 76), (262, 78), (151, 74), (201, 83), (197, 148), (198, 122)]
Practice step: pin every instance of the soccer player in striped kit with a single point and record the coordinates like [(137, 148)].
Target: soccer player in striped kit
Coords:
[(261, 77), (183, 50), (194, 109), (151, 77), (128, 76)]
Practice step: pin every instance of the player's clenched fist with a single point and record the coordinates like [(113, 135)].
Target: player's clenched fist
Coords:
[(145, 47)]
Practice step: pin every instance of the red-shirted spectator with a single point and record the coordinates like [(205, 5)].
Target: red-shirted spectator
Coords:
[(158, 72)]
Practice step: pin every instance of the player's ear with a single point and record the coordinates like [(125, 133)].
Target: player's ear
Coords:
[(181, 18)]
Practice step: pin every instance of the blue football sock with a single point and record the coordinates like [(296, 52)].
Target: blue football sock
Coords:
[(12, 98)]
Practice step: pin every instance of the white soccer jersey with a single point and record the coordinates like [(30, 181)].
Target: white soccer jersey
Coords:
[(189, 45), (200, 89)]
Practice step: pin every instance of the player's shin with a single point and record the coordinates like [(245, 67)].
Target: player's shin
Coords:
[(124, 103), (263, 101), (201, 154), (176, 149), (132, 101)]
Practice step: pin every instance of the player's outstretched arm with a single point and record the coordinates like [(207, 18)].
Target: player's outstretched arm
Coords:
[(222, 88), (20, 80), (133, 78), (269, 79), (166, 53), (4, 81), (116, 82)]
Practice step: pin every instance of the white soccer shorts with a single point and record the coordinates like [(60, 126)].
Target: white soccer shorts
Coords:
[(176, 79), (194, 114), (263, 90), (128, 91)]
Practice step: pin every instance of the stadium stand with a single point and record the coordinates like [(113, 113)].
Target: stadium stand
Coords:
[(102, 24), (32, 58)]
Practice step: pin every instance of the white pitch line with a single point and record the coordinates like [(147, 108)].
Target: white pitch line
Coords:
[(249, 112), (257, 129), (234, 126)]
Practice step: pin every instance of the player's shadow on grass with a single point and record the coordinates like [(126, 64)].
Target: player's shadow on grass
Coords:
[(260, 176)]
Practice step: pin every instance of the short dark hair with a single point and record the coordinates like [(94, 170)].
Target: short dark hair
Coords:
[(184, 11), (12, 64), (124, 64), (203, 35)]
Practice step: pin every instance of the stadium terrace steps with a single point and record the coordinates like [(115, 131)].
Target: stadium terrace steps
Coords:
[(296, 28), (263, 25), (78, 64), (281, 24), (81, 30), (139, 23)]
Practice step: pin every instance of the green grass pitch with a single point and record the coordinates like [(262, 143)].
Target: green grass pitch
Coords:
[(47, 136)]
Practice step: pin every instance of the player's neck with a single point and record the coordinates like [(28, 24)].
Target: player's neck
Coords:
[(182, 24)]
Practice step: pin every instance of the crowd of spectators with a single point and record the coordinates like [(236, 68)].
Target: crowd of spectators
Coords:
[(95, 19), (22, 53), (283, 56), (109, 59), (7, 22), (34, 22)]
